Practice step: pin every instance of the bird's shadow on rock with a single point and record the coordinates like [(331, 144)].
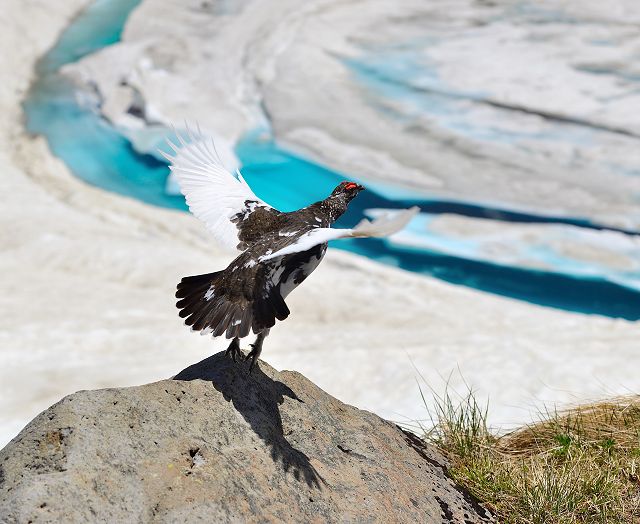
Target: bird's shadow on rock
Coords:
[(257, 398)]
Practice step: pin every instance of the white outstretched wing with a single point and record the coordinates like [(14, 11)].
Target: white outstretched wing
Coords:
[(213, 193), (382, 226)]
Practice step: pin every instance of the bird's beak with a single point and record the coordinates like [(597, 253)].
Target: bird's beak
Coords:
[(360, 188)]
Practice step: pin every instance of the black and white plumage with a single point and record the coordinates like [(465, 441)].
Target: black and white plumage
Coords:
[(276, 251)]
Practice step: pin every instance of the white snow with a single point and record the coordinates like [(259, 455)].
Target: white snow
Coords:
[(88, 278), (559, 248), (481, 96)]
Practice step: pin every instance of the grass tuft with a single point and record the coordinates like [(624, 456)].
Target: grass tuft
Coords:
[(579, 466)]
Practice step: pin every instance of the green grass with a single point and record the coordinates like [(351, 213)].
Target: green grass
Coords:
[(581, 465)]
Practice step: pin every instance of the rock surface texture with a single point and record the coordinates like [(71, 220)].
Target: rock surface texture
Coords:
[(216, 444)]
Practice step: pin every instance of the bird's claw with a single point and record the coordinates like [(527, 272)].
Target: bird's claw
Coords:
[(253, 355), (233, 350)]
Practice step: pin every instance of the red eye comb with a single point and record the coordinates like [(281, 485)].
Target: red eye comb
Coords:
[(350, 185)]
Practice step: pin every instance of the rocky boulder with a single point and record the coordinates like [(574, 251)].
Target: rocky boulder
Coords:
[(217, 444)]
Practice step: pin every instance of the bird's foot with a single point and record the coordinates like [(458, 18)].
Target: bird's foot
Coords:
[(233, 350), (256, 349)]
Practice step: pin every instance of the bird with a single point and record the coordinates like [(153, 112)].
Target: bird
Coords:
[(275, 251)]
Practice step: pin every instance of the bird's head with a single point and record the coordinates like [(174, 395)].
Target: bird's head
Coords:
[(347, 190)]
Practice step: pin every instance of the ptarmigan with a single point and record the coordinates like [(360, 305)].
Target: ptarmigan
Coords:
[(277, 251)]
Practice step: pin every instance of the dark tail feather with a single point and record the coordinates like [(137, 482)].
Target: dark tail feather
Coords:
[(197, 294), (205, 307), (279, 306), (267, 309), (190, 285)]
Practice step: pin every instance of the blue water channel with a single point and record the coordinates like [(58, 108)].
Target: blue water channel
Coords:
[(96, 152)]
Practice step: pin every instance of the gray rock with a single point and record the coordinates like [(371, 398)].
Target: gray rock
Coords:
[(216, 444)]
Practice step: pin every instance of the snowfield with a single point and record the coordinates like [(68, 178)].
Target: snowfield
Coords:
[(88, 277)]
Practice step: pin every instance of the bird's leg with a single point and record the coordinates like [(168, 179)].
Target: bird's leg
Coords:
[(233, 350), (256, 348)]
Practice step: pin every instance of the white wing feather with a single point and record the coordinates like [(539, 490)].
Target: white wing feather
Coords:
[(213, 193), (386, 224)]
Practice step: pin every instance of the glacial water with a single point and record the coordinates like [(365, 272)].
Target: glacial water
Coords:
[(96, 152)]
